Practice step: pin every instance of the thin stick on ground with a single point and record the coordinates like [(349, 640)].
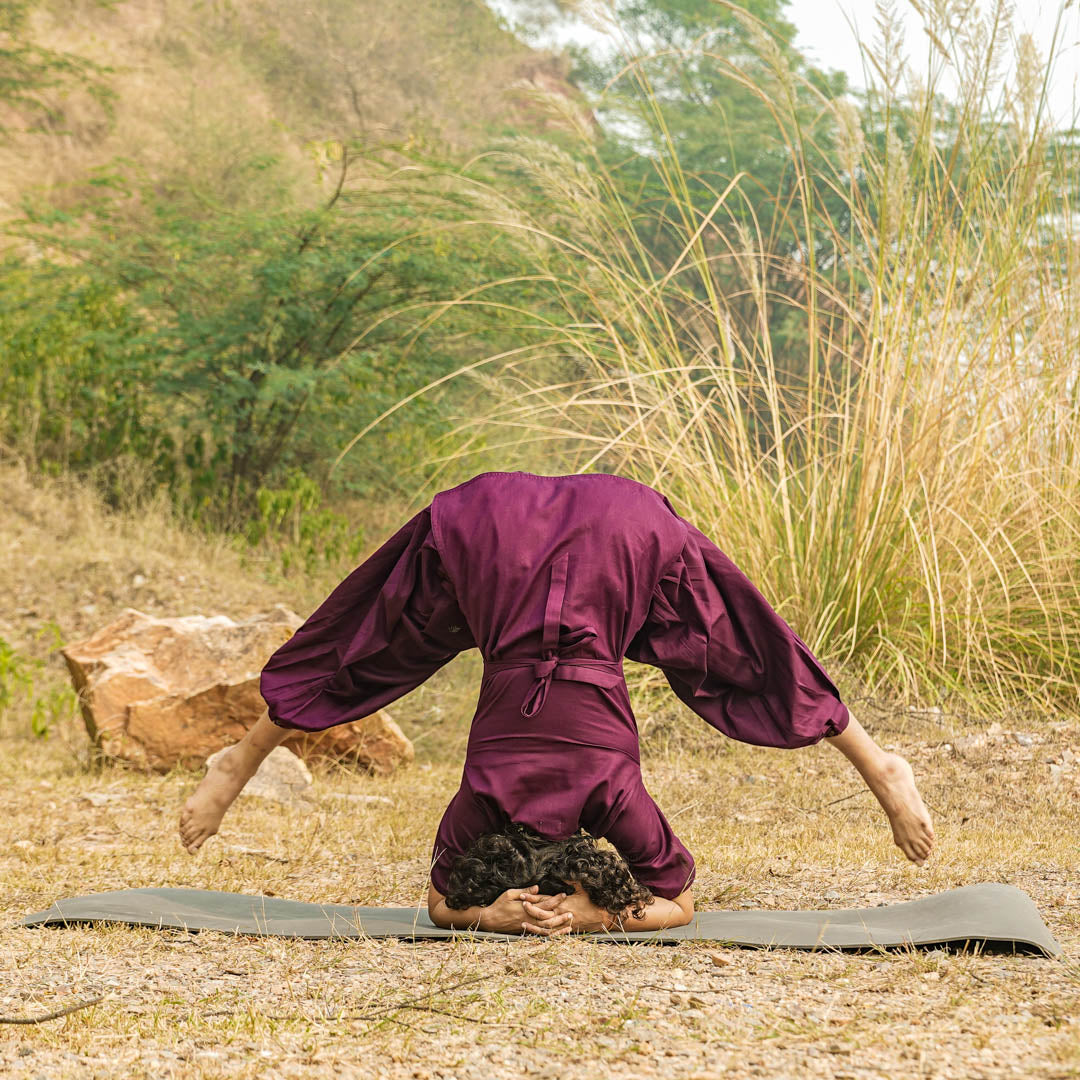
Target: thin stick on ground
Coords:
[(54, 1015)]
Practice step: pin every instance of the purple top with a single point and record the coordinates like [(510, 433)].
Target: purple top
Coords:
[(555, 579)]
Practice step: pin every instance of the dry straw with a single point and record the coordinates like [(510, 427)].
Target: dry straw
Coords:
[(903, 483)]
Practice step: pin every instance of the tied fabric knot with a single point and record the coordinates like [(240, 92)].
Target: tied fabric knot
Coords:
[(543, 670), (605, 673)]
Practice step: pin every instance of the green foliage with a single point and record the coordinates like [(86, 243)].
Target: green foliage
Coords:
[(20, 689), (291, 519), (233, 344), (902, 479), (725, 84), (74, 375)]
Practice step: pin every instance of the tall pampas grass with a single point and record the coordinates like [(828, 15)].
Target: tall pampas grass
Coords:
[(905, 487)]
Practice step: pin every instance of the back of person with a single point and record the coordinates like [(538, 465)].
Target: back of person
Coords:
[(500, 534)]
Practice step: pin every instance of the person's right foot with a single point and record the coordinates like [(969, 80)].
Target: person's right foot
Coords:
[(893, 782), (202, 813)]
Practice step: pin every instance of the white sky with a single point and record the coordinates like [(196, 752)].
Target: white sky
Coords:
[(826, 36), (828, 33)]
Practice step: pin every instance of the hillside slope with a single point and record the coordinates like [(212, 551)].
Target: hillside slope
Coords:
[(199, 86)]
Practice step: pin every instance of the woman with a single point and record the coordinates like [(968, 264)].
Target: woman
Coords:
[(555, 579)]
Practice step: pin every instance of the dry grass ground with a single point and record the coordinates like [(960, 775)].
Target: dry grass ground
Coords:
[(769, 829)]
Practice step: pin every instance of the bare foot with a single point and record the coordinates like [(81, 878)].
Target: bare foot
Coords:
[(202, 813), (893, 782)]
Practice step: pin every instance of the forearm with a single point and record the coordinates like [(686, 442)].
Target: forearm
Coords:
[(471, 918), (659, 915)]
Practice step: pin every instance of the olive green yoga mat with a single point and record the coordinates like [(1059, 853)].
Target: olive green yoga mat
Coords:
[(988, 915)]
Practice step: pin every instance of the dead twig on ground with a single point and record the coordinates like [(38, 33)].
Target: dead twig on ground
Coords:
[(54, 1015)]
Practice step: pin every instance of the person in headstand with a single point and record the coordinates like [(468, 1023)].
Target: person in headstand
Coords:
[(555, 579)]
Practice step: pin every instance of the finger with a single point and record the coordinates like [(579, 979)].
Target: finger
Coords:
[(545, 918), (539, 911), (519, 894), (539, 914), (532, 928), (550, 902), (553, 920)]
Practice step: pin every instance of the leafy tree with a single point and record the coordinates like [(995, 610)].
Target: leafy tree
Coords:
[(267, 334)]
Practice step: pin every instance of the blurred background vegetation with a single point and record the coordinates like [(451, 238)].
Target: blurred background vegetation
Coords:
[(281, 263)]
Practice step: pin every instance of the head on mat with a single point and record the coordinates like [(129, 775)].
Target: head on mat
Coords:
[(518, 857)]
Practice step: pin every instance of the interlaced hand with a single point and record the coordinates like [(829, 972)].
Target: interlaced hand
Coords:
[(508, 914), (573, 912)]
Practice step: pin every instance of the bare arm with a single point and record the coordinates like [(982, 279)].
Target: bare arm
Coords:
[(661, 914)]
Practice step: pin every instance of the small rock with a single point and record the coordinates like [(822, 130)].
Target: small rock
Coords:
[(282, 776), (1067, 757), (968, 744), (102, 798), (995, 729), (1055, 774), (832, 894), (138, 580), (1023, 739), (23, 845)]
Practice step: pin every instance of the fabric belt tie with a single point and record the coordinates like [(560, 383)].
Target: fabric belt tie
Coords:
[(606, 673)]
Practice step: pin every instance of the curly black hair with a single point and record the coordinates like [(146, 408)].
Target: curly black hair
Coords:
[(518, 857)]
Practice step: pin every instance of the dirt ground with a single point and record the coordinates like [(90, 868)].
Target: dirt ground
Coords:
[(209, 1005), (777, 829)]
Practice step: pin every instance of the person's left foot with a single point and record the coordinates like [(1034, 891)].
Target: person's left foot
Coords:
[(893, 782), (202, 813)]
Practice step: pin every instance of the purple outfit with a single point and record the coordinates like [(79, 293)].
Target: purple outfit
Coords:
[(555, 579)]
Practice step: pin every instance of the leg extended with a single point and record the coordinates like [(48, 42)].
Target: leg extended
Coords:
[(892, 781), (202, 813)]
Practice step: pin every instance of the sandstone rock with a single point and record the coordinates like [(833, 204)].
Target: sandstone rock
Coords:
[(375, 743), (157, 693), (282, 776)]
